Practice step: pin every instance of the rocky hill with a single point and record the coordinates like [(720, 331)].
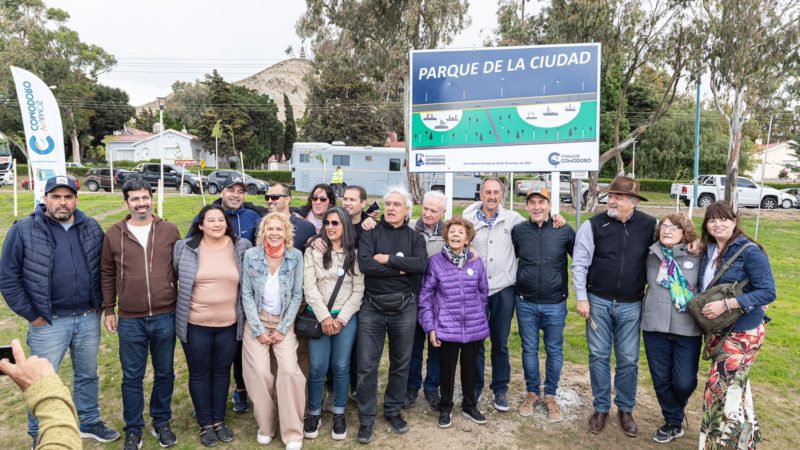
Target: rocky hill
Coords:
[(283, 77)]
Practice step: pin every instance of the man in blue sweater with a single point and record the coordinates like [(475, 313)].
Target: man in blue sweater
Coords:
[(50, 276)]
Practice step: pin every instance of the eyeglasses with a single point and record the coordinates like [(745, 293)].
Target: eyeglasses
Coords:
[(275, 197), (319, 199), (331, 222), (669, 227)]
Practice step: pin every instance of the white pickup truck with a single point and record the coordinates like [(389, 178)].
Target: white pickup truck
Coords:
[(711, 188)]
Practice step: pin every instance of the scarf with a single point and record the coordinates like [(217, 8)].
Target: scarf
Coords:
[(277, 253), (458, 260), (670, 276)]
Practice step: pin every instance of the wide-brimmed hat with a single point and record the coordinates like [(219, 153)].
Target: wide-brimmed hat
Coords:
[(624, 185)]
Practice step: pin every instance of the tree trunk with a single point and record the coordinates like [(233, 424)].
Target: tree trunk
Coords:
[(73, 139), (735, 141), (591, 197)]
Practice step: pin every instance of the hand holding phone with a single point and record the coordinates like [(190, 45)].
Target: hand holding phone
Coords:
[(24, 371), (373, 208)]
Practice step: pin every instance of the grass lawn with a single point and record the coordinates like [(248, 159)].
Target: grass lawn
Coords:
[(775, 377)]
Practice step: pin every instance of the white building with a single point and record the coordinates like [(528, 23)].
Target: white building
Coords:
[(132, 144), (780, 155)]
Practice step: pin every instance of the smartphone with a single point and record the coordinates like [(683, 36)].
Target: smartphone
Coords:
[(375, 206), (5, 352)]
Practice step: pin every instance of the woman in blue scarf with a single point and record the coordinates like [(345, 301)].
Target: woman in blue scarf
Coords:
[(672, 338)]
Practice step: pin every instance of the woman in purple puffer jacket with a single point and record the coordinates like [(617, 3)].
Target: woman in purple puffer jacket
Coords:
[(452, 311)]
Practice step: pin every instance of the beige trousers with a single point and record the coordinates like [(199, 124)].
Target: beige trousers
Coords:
[(289, 383)]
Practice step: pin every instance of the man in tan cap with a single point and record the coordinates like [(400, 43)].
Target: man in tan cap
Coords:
[(608, 273)]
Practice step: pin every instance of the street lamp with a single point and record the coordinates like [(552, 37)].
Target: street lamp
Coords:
[(161, 153)]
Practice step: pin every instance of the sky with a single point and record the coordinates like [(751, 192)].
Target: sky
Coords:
[(159, 42)]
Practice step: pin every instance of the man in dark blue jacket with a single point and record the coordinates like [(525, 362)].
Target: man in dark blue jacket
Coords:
[(244, 218), (50, 276), (541, 301)]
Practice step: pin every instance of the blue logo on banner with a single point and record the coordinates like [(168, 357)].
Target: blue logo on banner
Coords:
[(34, 144), (554, 158)]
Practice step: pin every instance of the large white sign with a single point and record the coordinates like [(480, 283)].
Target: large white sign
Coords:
[(44, 137), (520, 109)]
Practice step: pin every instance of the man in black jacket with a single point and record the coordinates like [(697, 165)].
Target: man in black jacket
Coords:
[(393, 258), (541, 302)]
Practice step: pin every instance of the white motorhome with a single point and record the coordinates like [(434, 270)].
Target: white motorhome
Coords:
[(374, 168)]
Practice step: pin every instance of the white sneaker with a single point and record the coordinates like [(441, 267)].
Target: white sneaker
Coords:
[(263, 440), (297, 445)]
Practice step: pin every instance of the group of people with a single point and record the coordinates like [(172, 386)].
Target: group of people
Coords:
[(235, 290)]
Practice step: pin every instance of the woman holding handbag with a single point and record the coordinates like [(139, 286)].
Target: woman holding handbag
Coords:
[(672, 338), (272, 287), (334, 287), (728, 414)]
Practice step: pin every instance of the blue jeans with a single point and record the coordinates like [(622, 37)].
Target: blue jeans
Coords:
[(209, 356), (550, 318), (673, 362), (136, 337), (80, 334), (500, 312), (333, 351), (432, 370), (617, 323)]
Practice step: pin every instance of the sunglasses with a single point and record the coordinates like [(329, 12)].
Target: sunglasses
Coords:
[(331, 222), (275, 197), (319, 199), (669, 227)]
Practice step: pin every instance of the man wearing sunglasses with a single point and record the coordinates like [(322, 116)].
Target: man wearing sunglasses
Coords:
[(279, 197)]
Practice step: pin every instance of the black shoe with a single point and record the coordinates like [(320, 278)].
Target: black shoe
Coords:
[(224, 433), (240, 404), (667, 433), (500, 401), (208, 437), (474, 415), (444, 420), (339, 430), (364, 434), (166, 438), (411, 398), (132, 442), (311, 426), (433, 398), (398, 424)]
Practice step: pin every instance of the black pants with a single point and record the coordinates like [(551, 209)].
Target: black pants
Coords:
[(238, 375), (448, 358)]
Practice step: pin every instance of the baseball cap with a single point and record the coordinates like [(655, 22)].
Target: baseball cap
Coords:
[(60, 181), (538, 190), (233, 180)]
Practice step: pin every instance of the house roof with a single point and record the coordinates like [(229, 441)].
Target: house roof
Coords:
[(128, 134), (773, 146)]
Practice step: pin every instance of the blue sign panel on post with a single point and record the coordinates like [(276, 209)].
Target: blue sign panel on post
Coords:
[(505, 109)]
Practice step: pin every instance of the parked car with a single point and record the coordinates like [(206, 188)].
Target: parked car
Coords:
[(253, 185), (70, 164), (711, 188), (522, 186), (26, 183), (795, 192), (101, 178), (151, 172)]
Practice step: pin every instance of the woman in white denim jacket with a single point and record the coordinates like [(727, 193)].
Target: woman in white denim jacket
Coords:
[(272, 288)]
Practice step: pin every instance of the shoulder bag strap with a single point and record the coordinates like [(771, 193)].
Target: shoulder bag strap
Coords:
[(727, 264), (336, 291)]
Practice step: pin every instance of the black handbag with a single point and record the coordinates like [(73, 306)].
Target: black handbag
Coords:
[(722, 324), (307, 324)]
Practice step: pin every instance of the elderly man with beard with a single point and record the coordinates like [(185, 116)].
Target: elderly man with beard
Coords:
[(393, 258), (50, 276), (609, 276), (136, 267)]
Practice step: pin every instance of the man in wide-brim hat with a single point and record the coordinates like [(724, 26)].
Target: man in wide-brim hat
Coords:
[(608, 273)]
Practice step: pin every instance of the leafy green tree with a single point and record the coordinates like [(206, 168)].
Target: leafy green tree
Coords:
[(751, 50), (290, 129), (35, 37), (267, 130), (222, 108), (112, 110), (188, 102)]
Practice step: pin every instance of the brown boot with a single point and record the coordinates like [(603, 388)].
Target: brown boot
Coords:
[(627, 423), (527, 406), (597, 422), (553, 411)]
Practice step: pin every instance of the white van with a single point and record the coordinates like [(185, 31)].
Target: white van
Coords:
[(374, 168)]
